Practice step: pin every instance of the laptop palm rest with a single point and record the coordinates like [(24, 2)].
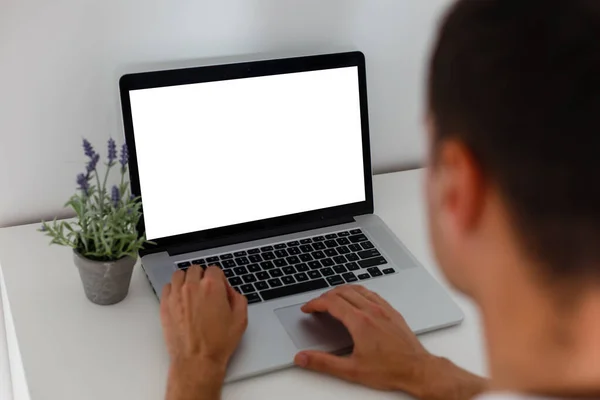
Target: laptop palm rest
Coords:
[(318, 331)]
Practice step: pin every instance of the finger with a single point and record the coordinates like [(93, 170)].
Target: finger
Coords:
[(215, 280), (326, 363), (355, 298), (335, 305), (369, 295), (193, 274), (166, 292), (239, 306), (177, 280)]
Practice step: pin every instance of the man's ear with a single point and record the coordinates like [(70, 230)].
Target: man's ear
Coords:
[(461, 184)]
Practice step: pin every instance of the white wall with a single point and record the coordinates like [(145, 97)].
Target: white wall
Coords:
[(60, 61)]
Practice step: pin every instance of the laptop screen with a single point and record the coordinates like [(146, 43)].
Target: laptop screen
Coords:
[(223, 153)]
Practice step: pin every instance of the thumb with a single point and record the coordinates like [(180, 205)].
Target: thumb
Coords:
[(341, 367)]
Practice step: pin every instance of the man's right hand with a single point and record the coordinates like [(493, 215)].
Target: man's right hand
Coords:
[(387, 355)]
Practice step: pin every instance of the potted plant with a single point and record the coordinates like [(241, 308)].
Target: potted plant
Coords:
[(103, 236)]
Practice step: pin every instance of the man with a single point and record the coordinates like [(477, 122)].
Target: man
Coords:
[(514, 206)]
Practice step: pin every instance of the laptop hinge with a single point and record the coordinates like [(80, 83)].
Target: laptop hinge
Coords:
[(255, 235)]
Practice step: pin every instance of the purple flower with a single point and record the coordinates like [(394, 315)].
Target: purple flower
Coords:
[(43, 228), (92, 164), (88, 149), (124, 157), (112, 151), (115, 196), (83, 183)]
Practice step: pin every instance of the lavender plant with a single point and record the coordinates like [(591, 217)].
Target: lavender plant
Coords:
[(105, 229)]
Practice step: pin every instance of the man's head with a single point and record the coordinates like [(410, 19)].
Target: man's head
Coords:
[(514, 102), (514, 182)]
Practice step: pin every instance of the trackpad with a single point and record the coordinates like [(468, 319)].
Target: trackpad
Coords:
[(314, 331)]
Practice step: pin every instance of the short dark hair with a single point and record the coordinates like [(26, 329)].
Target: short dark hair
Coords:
[(518, 82)]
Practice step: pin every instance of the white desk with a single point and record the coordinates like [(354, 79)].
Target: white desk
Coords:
[(72, 349)]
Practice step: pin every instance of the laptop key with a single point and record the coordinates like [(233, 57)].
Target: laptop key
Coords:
[(355, 231), (249, 278), (349, 277), (240, 271), (343, 241), (372, 262), (267, 265), (254, 268), (315, 265), (314, 274), (319, 246), (275, 273), (255, 258), (253, 298), (335, 280), (183, 265), (306, 257), (281, 253), (343, 250), (352, 257), (306, 241), (318, 255), (352, 266), (340, 269), (266, 248), (242, 261), (280, 246), (331, 243), (262, 276), (301, 277), (228, 264), (293, 251), (307, 248), (254, 251), (294, 289), (374, 271), (367, 245), (327, 272), (293, 260), (280, 262), (274, 283), (327, 262), (288, 280), (247, 289), (369, 254), (226, 256), (340, 260), (358, 238), (319, 239), (216, 264), (239, 254), (331, 252), (199, 262), (362, 277), (293, 243), (331, 236), (268, 256), (289, 270), (355, 247), (261, 285), (389, 271), (235, 281), (212, 259), (302, 267), (344, 234), (228, 273), (237, 289)]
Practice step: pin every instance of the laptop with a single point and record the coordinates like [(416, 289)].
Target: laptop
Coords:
[(264, 169)]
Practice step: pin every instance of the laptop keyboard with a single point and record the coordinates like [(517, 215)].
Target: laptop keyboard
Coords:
[(298, 266)]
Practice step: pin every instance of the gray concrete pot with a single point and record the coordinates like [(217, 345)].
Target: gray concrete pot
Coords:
[(105, 283)]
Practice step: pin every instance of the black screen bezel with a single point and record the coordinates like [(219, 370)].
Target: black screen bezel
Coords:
[(185, 76)]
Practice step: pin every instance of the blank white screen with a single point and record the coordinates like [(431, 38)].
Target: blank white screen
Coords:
[(223, 153)]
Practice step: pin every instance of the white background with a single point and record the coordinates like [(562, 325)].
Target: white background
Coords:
[(223, 153), (60, 62)]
